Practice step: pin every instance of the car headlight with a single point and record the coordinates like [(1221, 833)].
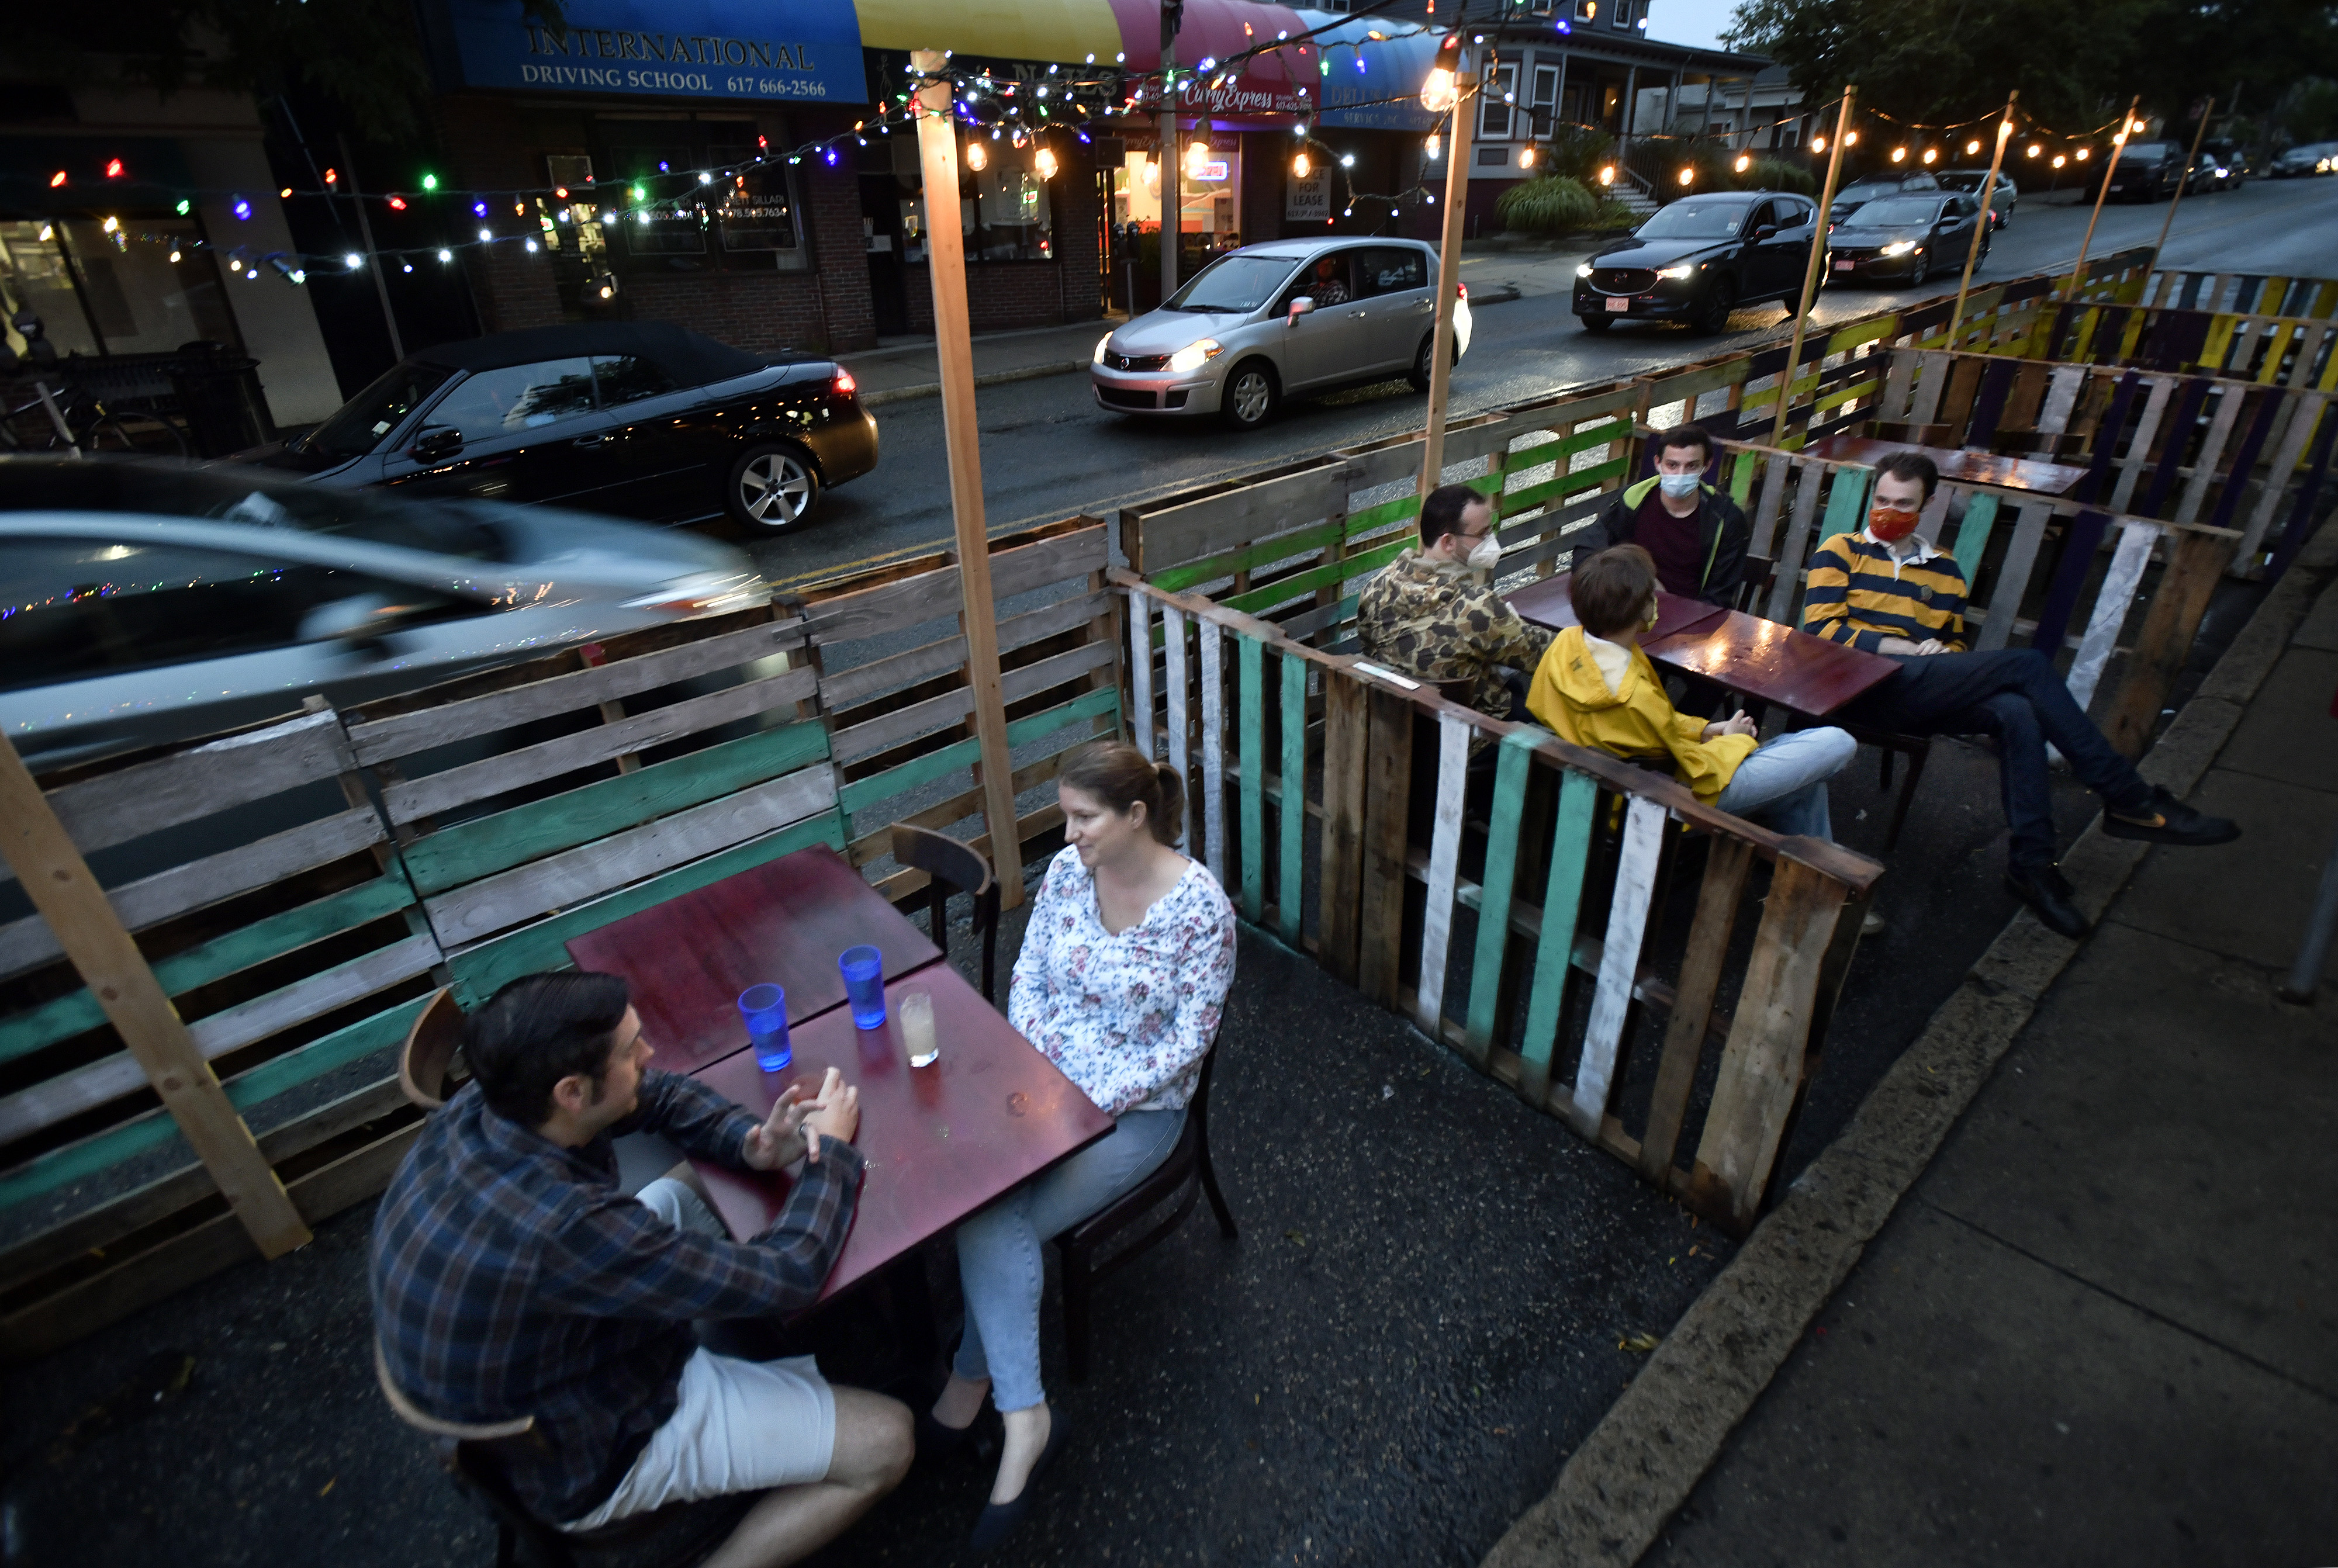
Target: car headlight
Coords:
[(1584, 271), (1683, 270), (1101, 344), (1193, 355), (704, 593), (1899, 248)]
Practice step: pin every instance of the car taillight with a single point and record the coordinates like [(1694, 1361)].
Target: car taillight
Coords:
[(844, 383)]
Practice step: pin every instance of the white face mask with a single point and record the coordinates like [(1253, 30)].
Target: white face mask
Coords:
[(1485, 554), (1678, 484)]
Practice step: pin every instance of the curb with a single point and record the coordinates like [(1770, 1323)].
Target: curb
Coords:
[(1638, 1465), (994, 378)]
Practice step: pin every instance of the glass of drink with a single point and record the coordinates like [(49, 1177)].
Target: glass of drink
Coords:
[(765, 1010), (864, 985), (917, 1014)]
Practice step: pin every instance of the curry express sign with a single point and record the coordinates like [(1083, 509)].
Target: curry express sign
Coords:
[(808, 50)]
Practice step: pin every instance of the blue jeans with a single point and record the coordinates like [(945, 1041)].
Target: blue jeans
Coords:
[(1000, 1263), (2017, 695), (1782, 784)]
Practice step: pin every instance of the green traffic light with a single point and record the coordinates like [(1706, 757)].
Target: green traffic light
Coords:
[(430, 181)]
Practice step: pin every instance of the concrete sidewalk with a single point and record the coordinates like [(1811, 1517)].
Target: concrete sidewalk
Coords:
[(2101, 1327)]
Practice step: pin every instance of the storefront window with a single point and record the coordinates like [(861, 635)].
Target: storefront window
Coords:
[(99, 291), (742, 217), (1002, 205)]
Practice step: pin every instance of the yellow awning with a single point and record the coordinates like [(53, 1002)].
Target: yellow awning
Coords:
[(1061, 30)]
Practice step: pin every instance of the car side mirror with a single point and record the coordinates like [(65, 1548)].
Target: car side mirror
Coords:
[(1299, 306), (436, 442), (1767, 231)]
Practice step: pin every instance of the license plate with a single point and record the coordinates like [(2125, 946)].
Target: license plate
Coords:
[(1846, 266), (1615, 304)]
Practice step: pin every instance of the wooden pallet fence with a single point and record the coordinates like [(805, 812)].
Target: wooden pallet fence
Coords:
[(2268, 294), (266, 900), (1292, 539), (902, 718), (1522, 921)]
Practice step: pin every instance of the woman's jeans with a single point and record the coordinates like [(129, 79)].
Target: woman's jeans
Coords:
[(1782, 784), (1000, 1263)]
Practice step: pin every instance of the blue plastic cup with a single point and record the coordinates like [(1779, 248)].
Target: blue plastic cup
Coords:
[(764, 1009), (864, 984)]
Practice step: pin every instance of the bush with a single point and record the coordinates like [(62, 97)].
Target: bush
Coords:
[(1777, 174), (1548, 204), (1578, 152)]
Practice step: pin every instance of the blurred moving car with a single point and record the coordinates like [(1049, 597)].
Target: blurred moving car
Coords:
[(1698, 259), (143, 602), (2145, 172), (633, 418), (2002, 201), (1268, 321), (2223, 165), (1906, 238), (2308, 158), (1874, 188)]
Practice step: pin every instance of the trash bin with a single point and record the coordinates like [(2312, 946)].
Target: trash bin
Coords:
[(221, 399)]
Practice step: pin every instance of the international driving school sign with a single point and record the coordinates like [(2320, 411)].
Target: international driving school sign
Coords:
[(805, 51)]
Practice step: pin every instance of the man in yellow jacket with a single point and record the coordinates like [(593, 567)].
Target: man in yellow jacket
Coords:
[(1596, 688)]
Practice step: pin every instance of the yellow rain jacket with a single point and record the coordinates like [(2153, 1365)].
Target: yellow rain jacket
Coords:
[(1635, 721)]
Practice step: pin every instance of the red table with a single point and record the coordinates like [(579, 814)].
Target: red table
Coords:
[(941, 1141), (1956, 465), (1743, 653), (785, 922)]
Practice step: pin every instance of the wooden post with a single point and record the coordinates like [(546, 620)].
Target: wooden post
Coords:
[(1981, 229), (2118, 146), (2190, 159), (977, 619), (1811, 268), (1448, 269), (54, 875)]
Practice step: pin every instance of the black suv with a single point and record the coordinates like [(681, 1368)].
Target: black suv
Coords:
[(2147, 171)]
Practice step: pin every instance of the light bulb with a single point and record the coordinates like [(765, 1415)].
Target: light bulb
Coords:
[(1818, 144), (1688, 176), (1526, 158), (1850, 138), (1972, 146), (1899, 154), (1745, 162), (1931, 153), (2059, 160), (1608, 175), (1300, 166), (978, 157), (2033, 149), (1046, 162), (1434, 147)]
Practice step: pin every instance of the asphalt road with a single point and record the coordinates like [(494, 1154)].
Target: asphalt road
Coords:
[(1049, 452)]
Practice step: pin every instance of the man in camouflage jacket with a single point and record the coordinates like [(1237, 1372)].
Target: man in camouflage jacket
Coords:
[(1427, 616)]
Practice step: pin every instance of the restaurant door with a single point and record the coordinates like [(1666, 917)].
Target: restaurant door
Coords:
[(882, 236)]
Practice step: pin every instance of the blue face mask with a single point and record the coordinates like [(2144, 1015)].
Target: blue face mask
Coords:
[(1679, 484)]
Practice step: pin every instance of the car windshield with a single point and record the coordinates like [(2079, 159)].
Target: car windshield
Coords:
[(1896, 212), (1232, 283), (1694, 221), (235, 493), (361, 423), (1959, 179)]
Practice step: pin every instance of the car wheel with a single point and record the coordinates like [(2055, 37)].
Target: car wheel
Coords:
[(1596, 323), (1251, 394), (1423, 361), (1919, 273), (1712, 312), (770, 488)]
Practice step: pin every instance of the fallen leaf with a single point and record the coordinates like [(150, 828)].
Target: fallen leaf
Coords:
[(1295, 1237), (328, 1486), (1641, 1342)]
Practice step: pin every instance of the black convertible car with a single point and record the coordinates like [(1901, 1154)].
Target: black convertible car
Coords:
[(632, 418), (1698, 259)]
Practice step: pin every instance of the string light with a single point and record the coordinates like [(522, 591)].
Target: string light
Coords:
[(1931, 154), (2081, 153), (1899, 154), (1688, 176), (1972, 147), (1745, 162)]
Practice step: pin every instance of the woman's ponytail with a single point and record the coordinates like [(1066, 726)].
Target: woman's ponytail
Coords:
[(1168, 818)]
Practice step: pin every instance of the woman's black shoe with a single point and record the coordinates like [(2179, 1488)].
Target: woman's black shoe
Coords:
[(937, 1442), (2045, 890), (999, 1519)]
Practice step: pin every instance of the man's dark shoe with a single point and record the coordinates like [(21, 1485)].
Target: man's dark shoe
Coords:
[(2045, 891), (2168, 820)]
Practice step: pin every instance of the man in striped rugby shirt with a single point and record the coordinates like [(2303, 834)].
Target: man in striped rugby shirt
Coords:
[(1887, 590)]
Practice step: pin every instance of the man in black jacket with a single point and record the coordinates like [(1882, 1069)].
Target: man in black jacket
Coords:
[(1697, 535)]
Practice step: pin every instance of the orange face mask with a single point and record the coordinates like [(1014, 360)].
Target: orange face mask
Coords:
[(1891, 524)]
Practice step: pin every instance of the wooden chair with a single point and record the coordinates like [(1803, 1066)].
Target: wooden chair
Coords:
[(951, 864), (1187, 1168), (426, 1064), (679, 1535)]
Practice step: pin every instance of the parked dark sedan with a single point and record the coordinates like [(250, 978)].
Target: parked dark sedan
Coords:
[(1698, 259), (1905, 238), (632, 418), (1875, 187), (2146, 171)]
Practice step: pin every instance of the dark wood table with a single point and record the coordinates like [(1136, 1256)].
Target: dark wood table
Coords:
[(1743, 653), (2031, 473), (941, 1141), (784, 923)]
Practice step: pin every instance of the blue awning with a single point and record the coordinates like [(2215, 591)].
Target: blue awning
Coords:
[(1385, 93), (807, 51)]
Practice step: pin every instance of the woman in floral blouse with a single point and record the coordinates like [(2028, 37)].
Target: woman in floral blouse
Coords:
[(1125, 964)]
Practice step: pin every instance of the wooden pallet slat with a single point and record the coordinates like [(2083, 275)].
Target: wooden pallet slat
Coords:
[(1620, 964), (1506, 814), (1562, 900), (1291, 813), (1444, 865), (1250, 654)]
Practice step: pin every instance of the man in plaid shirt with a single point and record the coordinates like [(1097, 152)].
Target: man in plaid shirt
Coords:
[(512, 1277)]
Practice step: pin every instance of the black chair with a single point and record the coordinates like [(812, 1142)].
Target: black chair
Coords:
[(1188, 1169), (950, 864), (679, 1535)]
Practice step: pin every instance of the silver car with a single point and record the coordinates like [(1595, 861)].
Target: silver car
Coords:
[(1273, 321), (143, 602)]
